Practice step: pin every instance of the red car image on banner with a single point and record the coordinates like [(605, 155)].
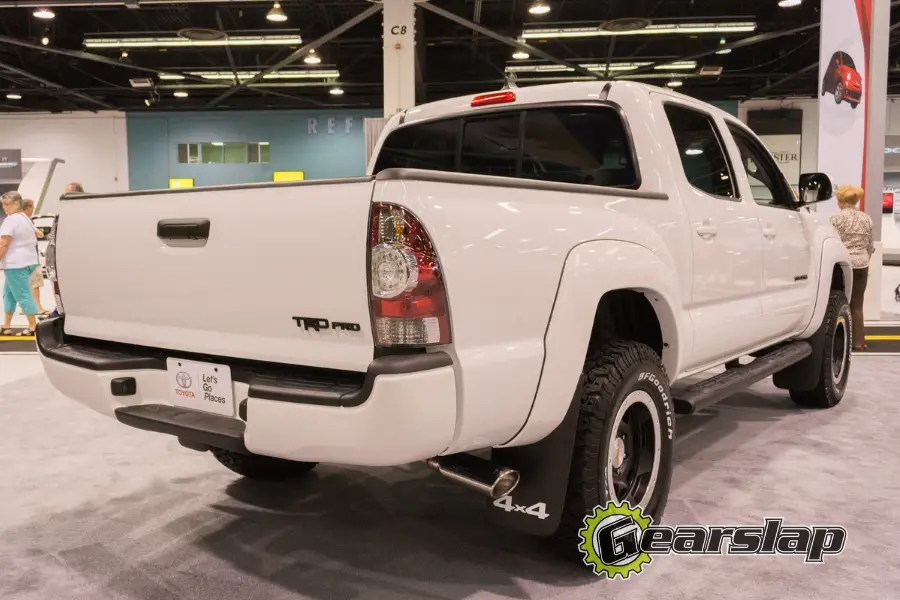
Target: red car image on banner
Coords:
[(843, 80), (887, 202)]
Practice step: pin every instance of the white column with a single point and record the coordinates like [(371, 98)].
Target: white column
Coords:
[(399, 55), (876, 128)]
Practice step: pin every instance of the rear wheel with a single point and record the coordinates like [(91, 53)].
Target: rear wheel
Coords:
[(835, 366), (624, 442), (263, 468), (853, 104)]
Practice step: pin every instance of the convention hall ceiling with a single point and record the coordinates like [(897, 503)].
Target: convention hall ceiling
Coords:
[(157, 55)]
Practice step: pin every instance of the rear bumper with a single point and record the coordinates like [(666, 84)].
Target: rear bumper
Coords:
[(402, 410)]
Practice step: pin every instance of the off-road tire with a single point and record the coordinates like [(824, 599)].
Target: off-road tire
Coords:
[(262, 468), (830, 390), (611, 372)]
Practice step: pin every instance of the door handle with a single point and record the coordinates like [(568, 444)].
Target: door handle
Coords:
[(707, 230), (183, 229), (769, 232)]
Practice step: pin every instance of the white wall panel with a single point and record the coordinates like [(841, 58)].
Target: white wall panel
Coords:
[(94, 147)]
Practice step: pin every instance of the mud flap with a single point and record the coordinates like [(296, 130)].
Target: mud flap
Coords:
[(804, 376), (536, 505)]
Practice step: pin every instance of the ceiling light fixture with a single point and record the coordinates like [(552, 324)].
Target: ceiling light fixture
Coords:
[(13, 97), (520, 55), (336, 91), (539, 8), (242, 75), (312, 58), (180, 42), (724, 51), (180, 94), (675, 83), (789, 3), (124, 55), (276, 14), (655, 29), (684, 65), (44, 13), (45, 40)]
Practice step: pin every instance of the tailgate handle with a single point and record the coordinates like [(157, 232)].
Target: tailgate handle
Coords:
[(183, 229)]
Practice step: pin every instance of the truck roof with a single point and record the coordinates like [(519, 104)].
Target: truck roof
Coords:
[(537, 94)]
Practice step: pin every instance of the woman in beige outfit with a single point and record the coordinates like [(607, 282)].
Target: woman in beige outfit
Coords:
[(855, 229)]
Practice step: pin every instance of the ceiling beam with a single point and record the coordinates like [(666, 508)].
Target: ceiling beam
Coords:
[(506, 40), (743, 43), (61, 90), (297, 54), (784, 80), (227, 48), (117, 63)]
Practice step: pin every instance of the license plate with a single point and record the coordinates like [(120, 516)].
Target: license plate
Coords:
[(201, 386)]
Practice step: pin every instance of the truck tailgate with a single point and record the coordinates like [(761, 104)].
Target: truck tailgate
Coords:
[(278, 262)]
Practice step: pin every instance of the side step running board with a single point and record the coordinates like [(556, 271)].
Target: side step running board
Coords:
[(709, 391)]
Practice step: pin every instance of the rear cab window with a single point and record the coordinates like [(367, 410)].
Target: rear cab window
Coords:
[(586, 145), (702, 153)]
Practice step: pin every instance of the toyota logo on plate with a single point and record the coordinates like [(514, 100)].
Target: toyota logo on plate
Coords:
[(183, 379)]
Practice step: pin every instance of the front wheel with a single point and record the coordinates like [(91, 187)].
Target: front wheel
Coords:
[(624, 443), (834, 370), (838, 93), (262, 468)]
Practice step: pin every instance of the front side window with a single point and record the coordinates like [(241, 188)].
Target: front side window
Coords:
[(586, 145), (766, 181), (700, 150)]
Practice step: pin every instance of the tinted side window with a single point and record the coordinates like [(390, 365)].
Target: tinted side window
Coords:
[(767, 184), (586, 145), (429, 146), (491, 145), (700, 151)]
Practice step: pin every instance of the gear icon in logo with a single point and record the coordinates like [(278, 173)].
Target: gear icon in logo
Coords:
[(610, 540)]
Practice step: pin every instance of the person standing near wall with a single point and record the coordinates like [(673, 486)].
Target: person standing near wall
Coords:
[(855, 228), (18, 259)]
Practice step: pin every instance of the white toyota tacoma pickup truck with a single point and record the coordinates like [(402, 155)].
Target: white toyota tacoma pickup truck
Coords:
[(507, 296)]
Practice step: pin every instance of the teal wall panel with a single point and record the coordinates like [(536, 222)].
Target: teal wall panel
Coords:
[(323, 144)]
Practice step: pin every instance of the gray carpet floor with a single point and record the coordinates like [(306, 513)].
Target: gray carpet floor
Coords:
[(91, 509)]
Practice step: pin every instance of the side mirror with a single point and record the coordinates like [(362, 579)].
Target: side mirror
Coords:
[(815, 187)]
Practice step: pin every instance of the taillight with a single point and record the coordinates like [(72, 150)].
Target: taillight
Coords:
[(407, 292), (50, 263)]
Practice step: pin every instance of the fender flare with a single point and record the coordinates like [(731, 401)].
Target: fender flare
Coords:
[(834, 253), (591, 270)]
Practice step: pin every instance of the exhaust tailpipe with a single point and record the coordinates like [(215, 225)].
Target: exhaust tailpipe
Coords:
[(489, 478)]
